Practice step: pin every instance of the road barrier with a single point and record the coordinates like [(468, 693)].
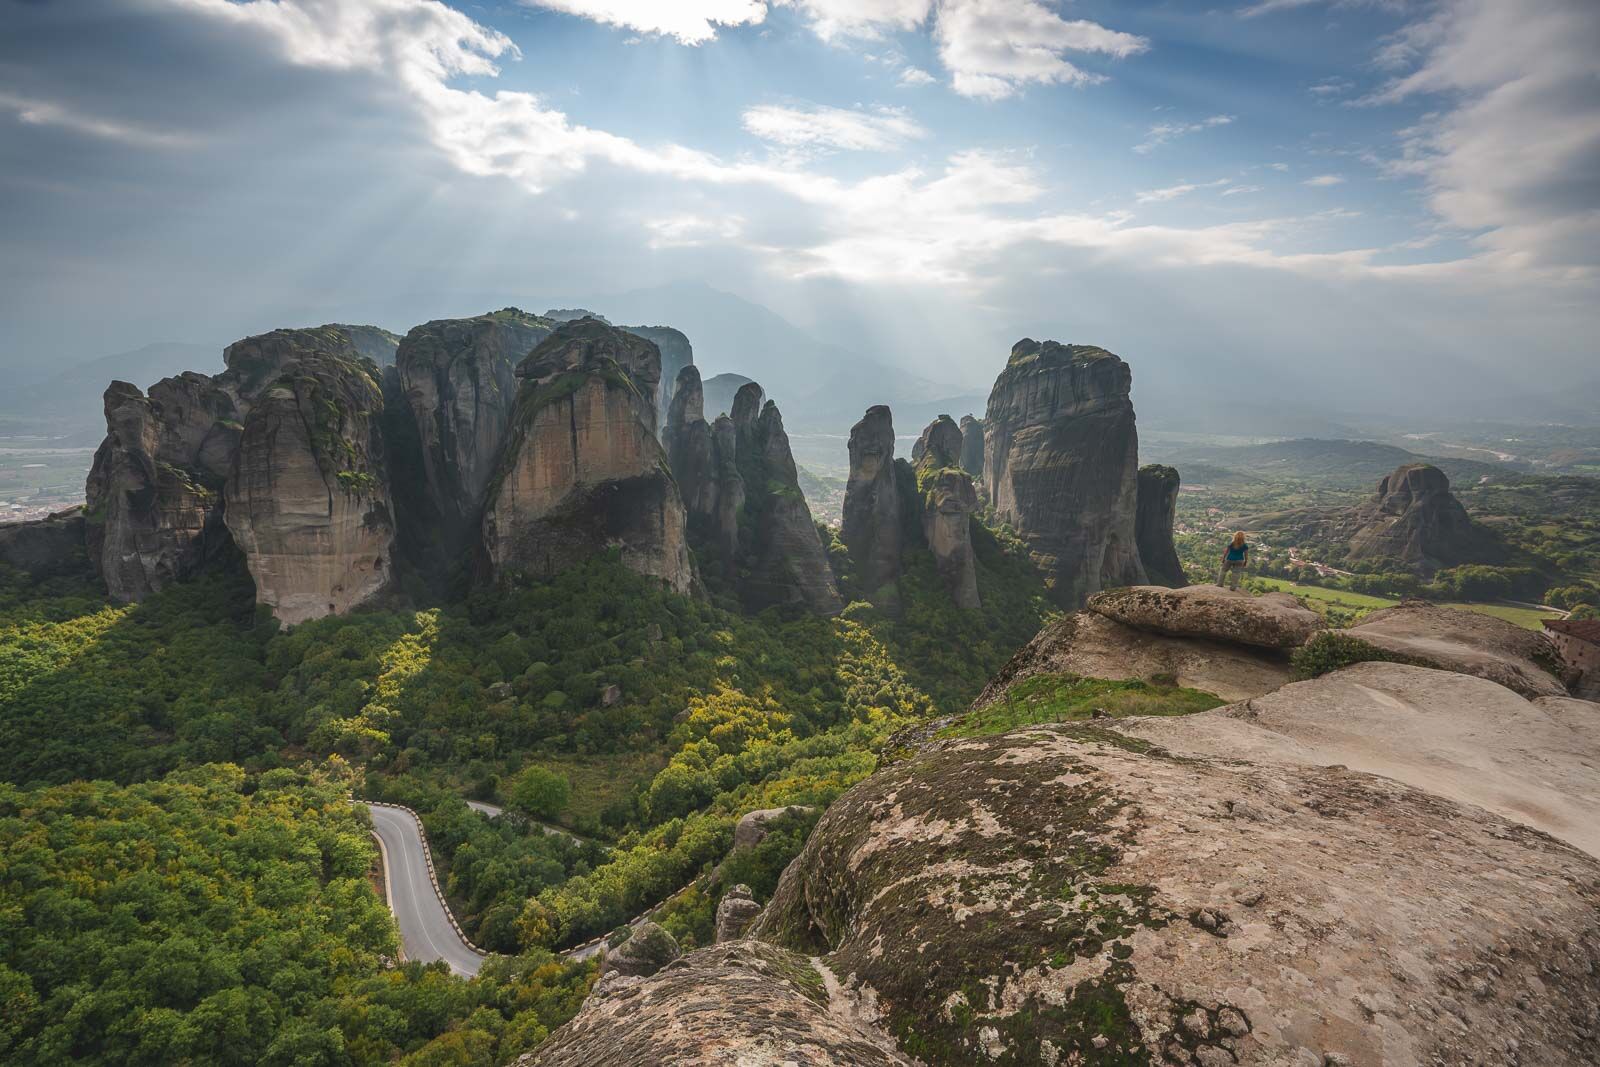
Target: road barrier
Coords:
[(433, 876)]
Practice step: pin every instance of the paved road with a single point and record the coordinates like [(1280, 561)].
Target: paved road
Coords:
[(425, 929), (494, 811)]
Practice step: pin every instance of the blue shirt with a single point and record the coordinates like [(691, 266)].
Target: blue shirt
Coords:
[(1236, 555)]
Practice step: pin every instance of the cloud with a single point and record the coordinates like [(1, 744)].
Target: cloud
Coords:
[(1512, 153), (1241, 190), (916, 77), (690, 22), (54, 113), (1172, 192), (1161, 133), (993, 48), (1323, 181), (833, 127), (1279, 167), (689, 230), (831, 19)]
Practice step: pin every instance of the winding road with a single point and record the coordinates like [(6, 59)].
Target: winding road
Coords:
[(426, 930)]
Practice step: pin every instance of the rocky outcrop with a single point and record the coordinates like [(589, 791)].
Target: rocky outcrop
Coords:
[(153, 498), (1093, 646), (949, 501), (871, 529), (733, 1004), (1158, 508), (45, 547), (648, 949), (676, 354), (1272, 620), (1061, 457), (459, 379), (754, 826), (307, 500), (972, 446), (735, 912), (582, 472), (373, 342), (1468, 642), (1070, 894)]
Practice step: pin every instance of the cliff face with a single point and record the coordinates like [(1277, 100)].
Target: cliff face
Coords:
[(373, 342), (45, 547), (459, 378), (949, 500), (582, 472), (307, 501), (1158, 506), (676, 354), (872, 525), (1061, 461), (972, 446), (1417, 520), (153, 496)]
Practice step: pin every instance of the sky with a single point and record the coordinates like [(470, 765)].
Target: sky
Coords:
[(1389, 205)]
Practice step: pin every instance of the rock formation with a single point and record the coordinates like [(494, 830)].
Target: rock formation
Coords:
[(153, 497), (1158, 506), (1273, 620), (1468, 642), (459, 379), (582, 472), (648, 949), (44, 547), (871, 529), (949, 501), (735, 911), (307, 500), (1060, 464), (972, 446), (754, 826), (374, 342), (676, 354)]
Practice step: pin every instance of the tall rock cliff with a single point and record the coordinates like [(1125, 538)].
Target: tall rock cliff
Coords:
[(949, 500), (1061, 464), (676, 354), (153, 497), (972, 445), (872, 523), (1158, 507), (1415, 519), (460, 383), (307, 500), (582, 472), (374, 342)]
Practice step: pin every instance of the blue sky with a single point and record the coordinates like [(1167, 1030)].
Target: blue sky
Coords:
[(1321, 198)]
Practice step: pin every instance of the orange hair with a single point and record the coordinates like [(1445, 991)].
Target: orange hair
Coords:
[(1238, 538)]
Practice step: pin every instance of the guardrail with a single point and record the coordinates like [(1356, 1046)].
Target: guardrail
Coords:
[(433, 876)]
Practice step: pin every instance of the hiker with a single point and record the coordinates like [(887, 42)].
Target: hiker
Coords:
[(1234, 561)]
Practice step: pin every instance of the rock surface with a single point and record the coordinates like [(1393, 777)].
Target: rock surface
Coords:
[(676, 354), (742, 1004), (1464, 738), (459, 378), (1065, 894), (648, 949), (871, 529), (1093, 646), (949, 500), (735, 911), (44, 547), (374, 342), (972, 445), (1468, 642), (1061, 459), (1158, 508), (307, 501), (1272, 620), (753, 826), (582, 472)]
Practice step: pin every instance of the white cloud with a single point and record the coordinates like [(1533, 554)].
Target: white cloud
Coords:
[(831, 19), (1323, 181), (1161, 133), (915, 77), (1241, 190), (833, 127), (1281, 168), (688, 21), (690, 230), (1172, 192), (52, 113), (993, 48)]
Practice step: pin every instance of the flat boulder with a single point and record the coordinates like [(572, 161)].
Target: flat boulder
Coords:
[(729, 1005), (1536, 762), (1271, 620), (1468, 642)]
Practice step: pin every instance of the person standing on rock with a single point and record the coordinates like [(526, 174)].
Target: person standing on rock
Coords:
[(1234, 561)]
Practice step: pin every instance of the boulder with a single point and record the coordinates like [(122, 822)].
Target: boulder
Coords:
[(949, 501), (1452, 735), (871, 529), (308, 501), (647, 949), (1068, 894), (742, 1003), (460, 384), (1094, 646), (972, 446), (45, 547), (582, 472), (736, 910), (1061, 457), (753, 827), (1272, 620), (1158, 506), (1468, 642)]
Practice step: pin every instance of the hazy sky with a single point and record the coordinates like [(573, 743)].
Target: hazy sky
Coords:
[(1324, 199)]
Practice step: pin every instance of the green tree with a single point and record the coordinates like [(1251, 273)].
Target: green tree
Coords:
[(540, 793)]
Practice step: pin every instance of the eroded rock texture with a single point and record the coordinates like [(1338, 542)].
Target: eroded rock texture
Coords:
[(949, 501), (459, 379), (1158, 508), (307, 500), (1272, 620), (676, 354), (972, 445), (1064, 894), (44, 547), (374, 342), (1061, 459), (582, 472), (871, 529), (153, 498), (1468, 642)]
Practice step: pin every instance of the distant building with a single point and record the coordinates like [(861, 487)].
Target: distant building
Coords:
[(1578, 643)]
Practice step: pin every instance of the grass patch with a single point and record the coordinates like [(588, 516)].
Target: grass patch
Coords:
[(1331, 650), (1071, 698), (1320, 599), (600, 781), (1527, 618)]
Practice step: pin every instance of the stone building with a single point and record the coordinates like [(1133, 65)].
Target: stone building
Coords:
[(1578, 643)]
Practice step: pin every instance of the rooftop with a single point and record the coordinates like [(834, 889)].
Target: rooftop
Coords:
[(1582, 629)]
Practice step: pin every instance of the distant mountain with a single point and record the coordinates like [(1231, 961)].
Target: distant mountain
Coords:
[(719, 390), (1351, 464)]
